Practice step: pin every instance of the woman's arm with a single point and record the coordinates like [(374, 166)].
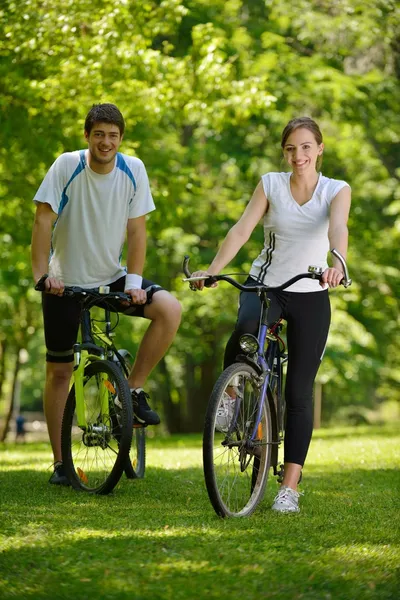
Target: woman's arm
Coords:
[(338, 235), (238, 235)]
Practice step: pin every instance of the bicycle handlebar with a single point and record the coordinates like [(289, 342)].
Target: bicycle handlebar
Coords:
[(72, 291), (314, 273), (102, 292)]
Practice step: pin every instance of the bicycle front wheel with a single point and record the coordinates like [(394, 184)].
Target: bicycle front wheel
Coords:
[(95, 451), (235, 465), (135, 465)]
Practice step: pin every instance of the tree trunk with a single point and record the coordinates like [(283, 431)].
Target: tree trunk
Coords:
[(3, 348), (192, 391), (172, 410), (9, 414), (199, 395)]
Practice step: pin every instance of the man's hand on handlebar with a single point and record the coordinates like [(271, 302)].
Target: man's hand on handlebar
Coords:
[(200, 284), (331, 277), (137, 295)]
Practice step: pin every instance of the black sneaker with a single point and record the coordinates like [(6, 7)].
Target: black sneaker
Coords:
[(141, 410), (59, 477)]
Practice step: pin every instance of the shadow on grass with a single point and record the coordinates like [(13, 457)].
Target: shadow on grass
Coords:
[(158, 538), (176, 495)]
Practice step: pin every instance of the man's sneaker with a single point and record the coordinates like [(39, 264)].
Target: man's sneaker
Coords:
[(141, 410), (225, 412), (286, 500), (59, 477)]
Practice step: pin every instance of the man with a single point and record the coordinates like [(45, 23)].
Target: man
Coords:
[(86, 205)]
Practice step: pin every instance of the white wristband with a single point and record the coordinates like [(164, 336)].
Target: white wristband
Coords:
[(133, 282)]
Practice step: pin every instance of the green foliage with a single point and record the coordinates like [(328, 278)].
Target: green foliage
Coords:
[(206, 88)]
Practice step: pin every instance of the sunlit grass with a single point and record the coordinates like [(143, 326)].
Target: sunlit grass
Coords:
[(159, 538)]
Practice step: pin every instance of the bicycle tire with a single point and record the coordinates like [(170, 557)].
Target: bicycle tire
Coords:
[(95, 458), (235, 491), (136, 463)]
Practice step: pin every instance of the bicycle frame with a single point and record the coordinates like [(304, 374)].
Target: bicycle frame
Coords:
[(265, 364), (86, 352), (266, 361)]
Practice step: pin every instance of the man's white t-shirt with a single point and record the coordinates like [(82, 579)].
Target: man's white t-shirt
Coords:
[(93, 212), (295, 236)]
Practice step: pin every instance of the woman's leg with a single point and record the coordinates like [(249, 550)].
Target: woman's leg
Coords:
[(308, 318)]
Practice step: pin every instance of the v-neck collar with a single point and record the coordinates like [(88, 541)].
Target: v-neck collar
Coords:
[(313, 194)]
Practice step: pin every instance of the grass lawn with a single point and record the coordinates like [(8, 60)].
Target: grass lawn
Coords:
[(159, 538)]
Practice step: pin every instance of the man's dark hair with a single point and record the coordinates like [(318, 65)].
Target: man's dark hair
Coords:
[(104, 113)]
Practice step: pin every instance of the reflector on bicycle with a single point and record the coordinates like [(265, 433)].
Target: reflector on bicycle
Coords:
[(82, 476), (109, 386)]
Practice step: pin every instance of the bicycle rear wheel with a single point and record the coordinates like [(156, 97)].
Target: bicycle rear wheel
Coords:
[(95, 455), (136, 463), (236, 467)]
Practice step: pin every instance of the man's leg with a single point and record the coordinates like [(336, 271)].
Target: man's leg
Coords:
[(165, 315), (58, 376), (61, 321)]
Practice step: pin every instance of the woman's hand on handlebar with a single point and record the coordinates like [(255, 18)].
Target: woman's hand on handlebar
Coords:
[(331, 277), (200, 284), (54, 286)]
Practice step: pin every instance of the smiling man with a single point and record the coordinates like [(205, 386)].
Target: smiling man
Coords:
[(88, 203)]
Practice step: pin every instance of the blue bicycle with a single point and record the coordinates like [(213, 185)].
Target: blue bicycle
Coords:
[(245, 418)]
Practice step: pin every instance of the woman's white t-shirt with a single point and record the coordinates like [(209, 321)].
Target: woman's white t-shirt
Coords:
[(295, 236), (93, 211)]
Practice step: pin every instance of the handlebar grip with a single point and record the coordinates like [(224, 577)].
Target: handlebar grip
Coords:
[(40, 285), (346, 281), (209, 281)]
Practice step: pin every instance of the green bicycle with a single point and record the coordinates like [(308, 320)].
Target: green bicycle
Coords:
[(98, 423)]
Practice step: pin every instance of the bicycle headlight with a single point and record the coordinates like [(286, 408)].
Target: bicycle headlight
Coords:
[(248, 343)]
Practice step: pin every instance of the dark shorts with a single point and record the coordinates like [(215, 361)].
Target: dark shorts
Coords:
[(61, 320)]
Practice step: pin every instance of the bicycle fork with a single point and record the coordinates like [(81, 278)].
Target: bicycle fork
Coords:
[(82, 358)]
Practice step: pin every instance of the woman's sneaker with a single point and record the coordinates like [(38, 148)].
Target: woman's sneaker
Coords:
[(286, 500)]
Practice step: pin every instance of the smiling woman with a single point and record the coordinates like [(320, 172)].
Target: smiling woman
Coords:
[(302, 148), (305, 214)]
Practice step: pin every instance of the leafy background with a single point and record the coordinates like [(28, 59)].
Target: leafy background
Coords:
[(206, 88)]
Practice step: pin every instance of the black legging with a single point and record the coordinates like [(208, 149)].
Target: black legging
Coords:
[(308, 318)]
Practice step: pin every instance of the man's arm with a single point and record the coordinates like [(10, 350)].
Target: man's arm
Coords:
[(45, 218), (137, 237)]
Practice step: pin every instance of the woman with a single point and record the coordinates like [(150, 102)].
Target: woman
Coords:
[(304, 215)]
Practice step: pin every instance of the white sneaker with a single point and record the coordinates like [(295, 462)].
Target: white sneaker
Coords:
[(225, 412), (286, 500)]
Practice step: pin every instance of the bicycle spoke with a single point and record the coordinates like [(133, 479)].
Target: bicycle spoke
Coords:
[(95, 454)]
